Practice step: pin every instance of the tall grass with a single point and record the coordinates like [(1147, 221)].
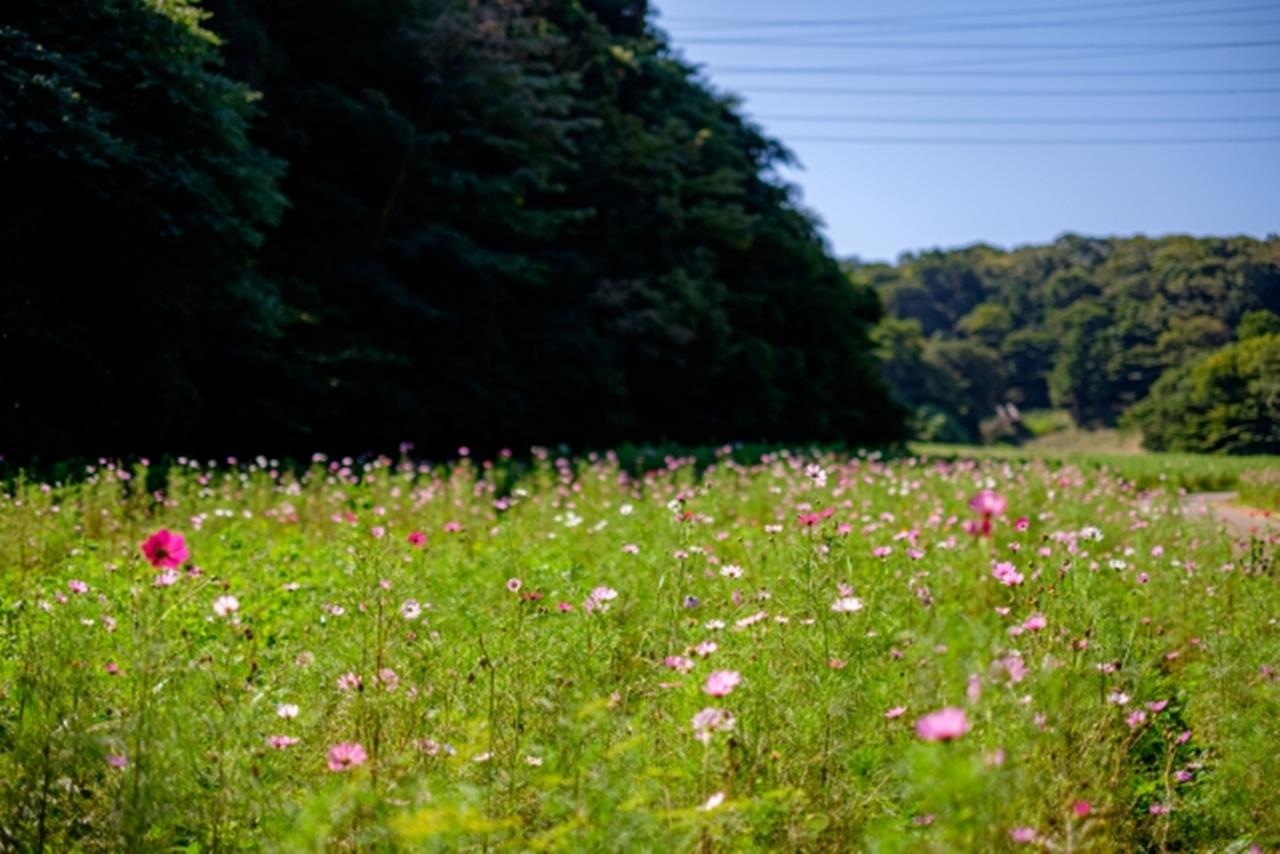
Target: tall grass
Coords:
[(527, 673)]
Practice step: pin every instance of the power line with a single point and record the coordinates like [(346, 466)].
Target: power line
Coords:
[(960, 16), (880, 45), (1008, 93), (1018, 120), (907, 71), (1003, 141), (935, 25)]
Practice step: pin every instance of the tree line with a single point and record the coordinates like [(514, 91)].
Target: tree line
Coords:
[(1176, 336), (267, 225)]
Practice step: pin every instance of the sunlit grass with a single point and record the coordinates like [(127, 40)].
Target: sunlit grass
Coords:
[(527, 674)]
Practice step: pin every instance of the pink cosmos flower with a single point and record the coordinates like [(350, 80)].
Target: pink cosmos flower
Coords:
[(943, 725), (75, 585), (895, 712), (711, 720), (882, 551), (349, 682), (679, 662), (847, 605), (1022, 524), (1081, 808), (118, 760), (722, 682), (417, 539), (1035, 623), (410, 609), (1014, 667), (281, 742), (345, 756), (706, 648), (513, 584), (1024, 835), (165, 549), (168, 578), (1007, 574), (1158, 706), (1136, 719), (224, 605), (1159, 809), (988, 504)]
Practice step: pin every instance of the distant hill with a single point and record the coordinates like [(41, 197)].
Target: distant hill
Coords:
[(1082, 324)]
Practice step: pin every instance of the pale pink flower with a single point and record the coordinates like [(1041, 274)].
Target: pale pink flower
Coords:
[(1024, 835), (847, 605), (1035, 623), (118, 760), (711, 720), (281, 742), (722, 682), (288, 711), (167, 578), (349, 682), (679, 662), (943, 725), (345, 756), (513, 585), (1136, 719), (388, 678), (410, 609), (895, 712), (77, 586), (706, 648), (224, 605), (1159, 809)]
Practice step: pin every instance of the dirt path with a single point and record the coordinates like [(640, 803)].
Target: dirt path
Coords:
[(1241, 521)]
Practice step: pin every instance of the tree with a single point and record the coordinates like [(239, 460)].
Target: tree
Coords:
[(1227, 401), (134, 205)]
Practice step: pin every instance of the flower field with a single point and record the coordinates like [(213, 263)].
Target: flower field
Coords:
[(788, 652)]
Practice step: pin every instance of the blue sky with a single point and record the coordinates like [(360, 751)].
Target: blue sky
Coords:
[(1192, 59)]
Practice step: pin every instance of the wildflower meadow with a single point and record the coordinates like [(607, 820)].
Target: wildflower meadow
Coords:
[(778, 651)]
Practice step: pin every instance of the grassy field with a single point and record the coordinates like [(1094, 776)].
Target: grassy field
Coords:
[(1260, 487), (1192, 472), (797, 652)]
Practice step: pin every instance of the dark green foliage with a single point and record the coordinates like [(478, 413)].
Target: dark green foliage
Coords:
[(1227, 401), (1086, 325), (508, 222), (132, 201)]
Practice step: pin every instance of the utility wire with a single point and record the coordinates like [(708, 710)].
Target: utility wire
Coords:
[(1010, 93), (1003, 141), (996, 46), (962, 16), (907, 71), (1018, 120)]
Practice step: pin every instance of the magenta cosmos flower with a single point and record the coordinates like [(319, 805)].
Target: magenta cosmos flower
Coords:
[(166, 549), (345, 756), (943, 725)]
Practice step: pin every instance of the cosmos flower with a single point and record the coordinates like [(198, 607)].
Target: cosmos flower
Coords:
[(722, 682), (225, 605), (943, 725), (165, 549), (345, 756)]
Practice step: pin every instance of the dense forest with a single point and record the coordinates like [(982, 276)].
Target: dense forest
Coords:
[(1092, 326), (267, 225)]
